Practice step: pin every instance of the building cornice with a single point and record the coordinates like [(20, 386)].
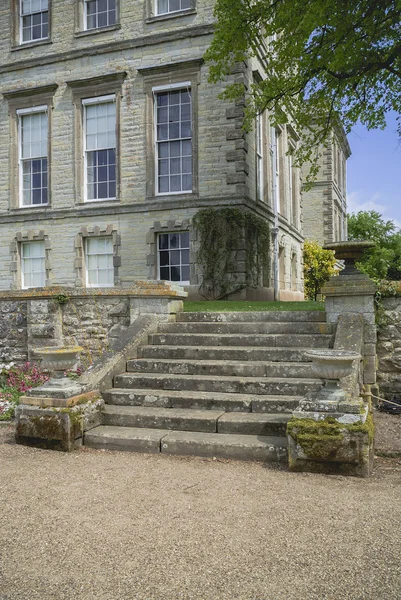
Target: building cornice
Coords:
[(114, 46)]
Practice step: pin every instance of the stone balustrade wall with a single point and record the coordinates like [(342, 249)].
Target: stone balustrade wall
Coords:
[(389, 349), (93, 319)]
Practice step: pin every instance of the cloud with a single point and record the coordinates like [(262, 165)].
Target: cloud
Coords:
[(357, 201)]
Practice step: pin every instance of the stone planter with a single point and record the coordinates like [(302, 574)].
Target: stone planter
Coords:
[(57, 360), (350, 253)]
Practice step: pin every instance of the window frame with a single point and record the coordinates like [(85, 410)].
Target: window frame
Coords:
[(163, 76), (94, 87), (22, 259), (160, 89), (23, 42), (259, 154), (87, 242), (171, 12), (90, 102), (25, 99), (158, 250), (84, 20), (21, 113)]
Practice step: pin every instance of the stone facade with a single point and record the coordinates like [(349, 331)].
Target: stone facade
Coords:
[(325, 204), (389, 349), (128, 61)]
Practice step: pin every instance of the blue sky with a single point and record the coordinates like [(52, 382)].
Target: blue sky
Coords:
[(374, 171)]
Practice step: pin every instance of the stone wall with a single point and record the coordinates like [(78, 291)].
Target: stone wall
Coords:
[(389, 349), (93, 319), (13, 331)]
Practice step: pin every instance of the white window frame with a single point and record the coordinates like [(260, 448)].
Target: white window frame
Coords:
[(21, 113), (21, 23), (86, 102), (30, 243), (170, 12), (181, 282), (87, 242), (85, 18), (166, 88), (259, 158)]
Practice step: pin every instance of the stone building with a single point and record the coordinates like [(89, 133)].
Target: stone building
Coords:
[(111, 139), (325, 204)]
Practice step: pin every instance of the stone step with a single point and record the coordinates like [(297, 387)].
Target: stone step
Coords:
[(244, 353), (162, 418), (251, 316), (208, 421), (215, 383), (219, 445), (231, 446), (202, 400), (257, 340), (222, 367), (247, 328)]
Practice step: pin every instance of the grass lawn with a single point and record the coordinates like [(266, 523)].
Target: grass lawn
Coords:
[(233, 306)]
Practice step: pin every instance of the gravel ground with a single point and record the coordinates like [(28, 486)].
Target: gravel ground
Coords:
[(96, 525)]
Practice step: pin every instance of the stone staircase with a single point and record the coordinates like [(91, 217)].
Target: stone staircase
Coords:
[(214, 384)]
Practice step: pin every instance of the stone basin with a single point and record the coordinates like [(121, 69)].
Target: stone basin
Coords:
[(332, 364), (349, 252), (58, 358)]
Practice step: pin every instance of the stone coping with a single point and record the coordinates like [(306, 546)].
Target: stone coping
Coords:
[(51, 402), (141, 289)]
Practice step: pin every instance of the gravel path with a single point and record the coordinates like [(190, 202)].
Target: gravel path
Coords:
[(96, 525)]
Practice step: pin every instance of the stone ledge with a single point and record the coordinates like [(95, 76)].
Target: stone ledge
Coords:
[(139, 289)]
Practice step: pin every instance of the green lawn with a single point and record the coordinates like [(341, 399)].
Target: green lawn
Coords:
[(233, 306)]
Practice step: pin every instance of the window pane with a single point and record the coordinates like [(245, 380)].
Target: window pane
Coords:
[(185, 274), (33, 264), (163, 240), (99, 261), (175, 274), (184, 239)]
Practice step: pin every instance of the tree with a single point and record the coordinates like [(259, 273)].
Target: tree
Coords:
[(384, 260), (318, 268), (323, 59)]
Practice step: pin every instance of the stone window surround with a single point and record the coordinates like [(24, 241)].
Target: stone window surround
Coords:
[(167, 74), (17, 100), (152, 17), (16, 28), (169, 227), (80, 18), (15, 250), (92, 232), (94, 87)]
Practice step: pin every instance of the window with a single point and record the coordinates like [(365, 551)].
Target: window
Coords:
[(100, 148), (259, 157), (33, 272), (173, 118), (33, 129), (99, 13), (173, 252), (164, 7), (34, 20), (99, 262)]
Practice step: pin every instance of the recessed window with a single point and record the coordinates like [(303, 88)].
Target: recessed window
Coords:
[(164, 7), (99, 262), (34, 20), (173, 119), (99, 13), (33, 271), (259, 157), (33, 163), (173, 253), (100, 148)]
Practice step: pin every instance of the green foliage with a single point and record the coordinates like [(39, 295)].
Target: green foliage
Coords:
[(384, 260), (229, 236), (318, 268), (61, 298), (322, 59)]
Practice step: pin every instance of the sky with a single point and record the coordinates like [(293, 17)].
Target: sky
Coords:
[(374, 171)]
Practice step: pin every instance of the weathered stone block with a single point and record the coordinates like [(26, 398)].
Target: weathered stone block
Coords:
[(331, 447)]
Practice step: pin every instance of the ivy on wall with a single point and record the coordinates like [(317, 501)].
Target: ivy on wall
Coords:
[(233, 252)]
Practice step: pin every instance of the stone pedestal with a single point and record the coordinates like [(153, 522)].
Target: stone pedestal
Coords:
[(56, 428)]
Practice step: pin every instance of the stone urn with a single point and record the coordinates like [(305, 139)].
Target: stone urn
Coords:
[(331, 366), (350, 253), (59, 359)]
